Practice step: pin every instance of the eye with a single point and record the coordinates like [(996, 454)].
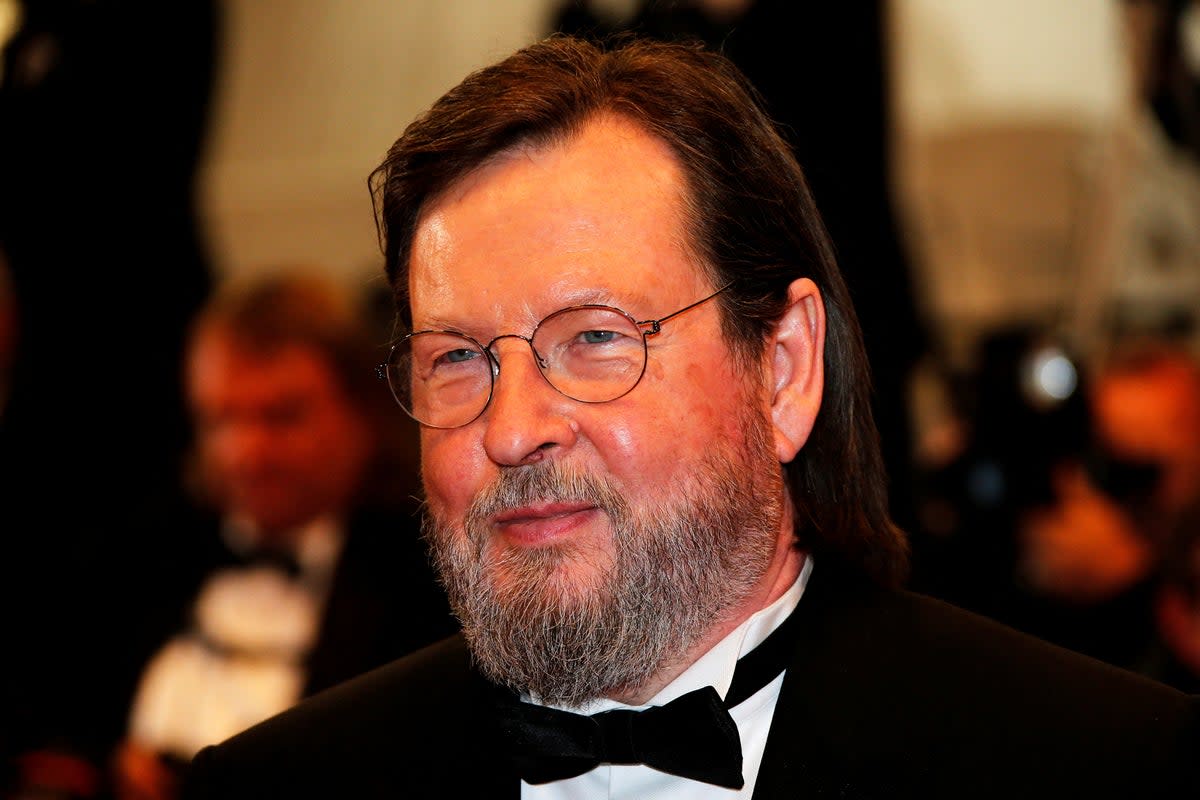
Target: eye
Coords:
[(457, 356), (598, 337), (434, 353)]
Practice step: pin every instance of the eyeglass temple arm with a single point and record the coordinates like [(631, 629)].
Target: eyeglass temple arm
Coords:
[(656, 324)]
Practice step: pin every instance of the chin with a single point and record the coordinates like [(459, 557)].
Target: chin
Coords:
[(569, 571)]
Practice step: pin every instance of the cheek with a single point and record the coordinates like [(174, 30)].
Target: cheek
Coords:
[(665, 433), (713, 402), (234, 446), (451, 471)]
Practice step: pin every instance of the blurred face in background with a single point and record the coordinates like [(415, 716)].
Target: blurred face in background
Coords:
[(1097, 540), (279, 440), (1153, 416)]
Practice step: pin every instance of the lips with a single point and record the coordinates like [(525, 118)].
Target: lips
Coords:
[(542, 523)]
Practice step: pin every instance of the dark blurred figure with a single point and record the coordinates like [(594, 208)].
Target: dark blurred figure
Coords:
[(839, 125), (104, 106), (1166, 79), (8, 331), (1072, 499), (1175, 656), (1160, 258), (293, 562), (1096, 557), (1048, 517), (1020, 409)]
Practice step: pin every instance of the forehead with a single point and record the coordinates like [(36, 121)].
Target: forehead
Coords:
[(222, 366), (595, 218)]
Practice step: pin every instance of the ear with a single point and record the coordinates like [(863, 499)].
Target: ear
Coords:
[(797, 368)]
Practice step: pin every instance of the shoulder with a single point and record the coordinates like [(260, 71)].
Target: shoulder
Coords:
[(927, 640), (891, 638), (386, 572), (385, 542), (380, 527), (409, 714), (933, 691)]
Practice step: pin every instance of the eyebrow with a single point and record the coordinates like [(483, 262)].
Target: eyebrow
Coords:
[(577, 297), (603, 297), (438, 324)]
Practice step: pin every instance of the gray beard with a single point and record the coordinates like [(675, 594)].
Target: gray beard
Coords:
[(679, 567)]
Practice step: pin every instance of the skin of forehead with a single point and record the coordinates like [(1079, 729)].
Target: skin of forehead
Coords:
[(612, 160)]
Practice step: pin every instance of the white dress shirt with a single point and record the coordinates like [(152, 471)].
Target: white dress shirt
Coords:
[(715, 668), (243, 660)]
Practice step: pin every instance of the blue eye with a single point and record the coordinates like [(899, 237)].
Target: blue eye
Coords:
[(458, 356), (598, 337)]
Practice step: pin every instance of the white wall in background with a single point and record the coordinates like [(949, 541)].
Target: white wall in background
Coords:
[(313, 92), (1013, 131), (963, 62)]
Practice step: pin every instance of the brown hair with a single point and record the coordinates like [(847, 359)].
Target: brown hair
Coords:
[(750, 216), (301, 305)]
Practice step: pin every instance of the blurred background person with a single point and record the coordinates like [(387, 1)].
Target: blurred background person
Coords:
[(301, 459), (1052, 231), (104, 111), (1095, 559), (1074, 496), (294, 561)]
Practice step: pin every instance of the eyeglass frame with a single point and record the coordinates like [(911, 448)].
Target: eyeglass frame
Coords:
[(653, 329)]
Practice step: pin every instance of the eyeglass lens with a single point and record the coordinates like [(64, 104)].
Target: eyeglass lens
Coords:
[(588, 353)]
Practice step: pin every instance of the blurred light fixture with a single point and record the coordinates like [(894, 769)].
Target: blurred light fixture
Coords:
[(1048, 376)]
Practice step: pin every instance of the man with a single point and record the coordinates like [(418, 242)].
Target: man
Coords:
[(66, 65), (1100, 560), (300, 565), (647, 452)]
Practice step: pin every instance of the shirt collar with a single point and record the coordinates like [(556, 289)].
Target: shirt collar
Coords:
[(316, 544), (715, 668)]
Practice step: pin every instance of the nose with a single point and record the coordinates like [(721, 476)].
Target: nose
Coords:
[(244, 444), (528, 419)]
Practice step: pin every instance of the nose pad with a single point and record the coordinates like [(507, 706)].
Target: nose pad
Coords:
[(524, 421), (494, 361), (495, 356), (538, 358)]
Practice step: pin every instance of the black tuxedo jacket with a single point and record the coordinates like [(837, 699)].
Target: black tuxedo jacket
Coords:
[(384, 602), (889, 694)]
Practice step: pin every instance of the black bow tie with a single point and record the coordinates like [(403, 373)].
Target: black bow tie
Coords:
[(692, 736), (273, 557), (283, 560)]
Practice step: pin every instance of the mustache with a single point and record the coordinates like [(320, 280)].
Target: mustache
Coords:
[(545, 482)]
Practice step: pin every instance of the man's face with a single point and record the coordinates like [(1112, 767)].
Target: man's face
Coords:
[(278, 438), (1154, 417), (544, 499)]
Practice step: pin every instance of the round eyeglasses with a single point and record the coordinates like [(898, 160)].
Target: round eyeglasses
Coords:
[(590, 353)]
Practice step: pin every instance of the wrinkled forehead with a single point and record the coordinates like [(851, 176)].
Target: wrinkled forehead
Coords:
[(597, 217)]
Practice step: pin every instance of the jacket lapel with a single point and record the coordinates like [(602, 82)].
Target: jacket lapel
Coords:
[(796, 762)]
